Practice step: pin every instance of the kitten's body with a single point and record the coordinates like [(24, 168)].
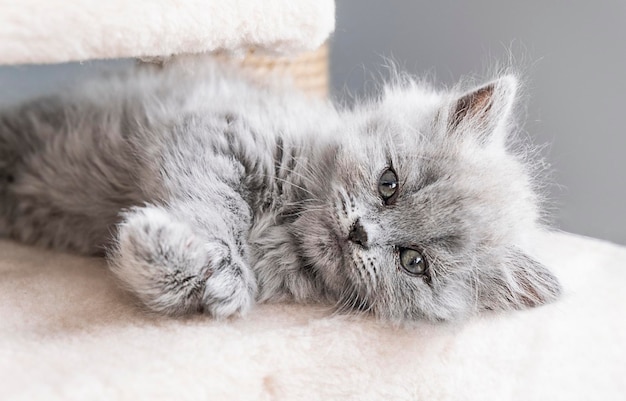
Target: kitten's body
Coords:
[(208, 192)]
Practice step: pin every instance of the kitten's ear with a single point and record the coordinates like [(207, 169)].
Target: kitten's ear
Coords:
[(482, 111), (520, 282)]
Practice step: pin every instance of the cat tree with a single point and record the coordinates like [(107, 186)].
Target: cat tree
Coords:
[(68, 332)]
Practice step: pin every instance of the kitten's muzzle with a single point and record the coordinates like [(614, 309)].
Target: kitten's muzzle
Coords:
[(358, 235)]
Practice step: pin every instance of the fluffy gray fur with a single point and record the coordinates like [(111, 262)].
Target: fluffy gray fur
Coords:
[(208, 193)]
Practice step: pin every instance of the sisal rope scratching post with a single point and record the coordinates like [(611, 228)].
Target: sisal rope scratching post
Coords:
[(308, 70)]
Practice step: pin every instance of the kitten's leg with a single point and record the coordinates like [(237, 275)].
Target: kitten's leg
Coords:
[(174, 266)]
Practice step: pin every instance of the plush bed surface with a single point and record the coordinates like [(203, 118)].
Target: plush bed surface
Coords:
[(54, 31), (68, 332)]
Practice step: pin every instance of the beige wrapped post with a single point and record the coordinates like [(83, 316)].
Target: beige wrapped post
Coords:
[(309, 70)]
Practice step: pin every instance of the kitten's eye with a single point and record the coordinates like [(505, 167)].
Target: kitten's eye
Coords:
[(413, 262), (388, 186)]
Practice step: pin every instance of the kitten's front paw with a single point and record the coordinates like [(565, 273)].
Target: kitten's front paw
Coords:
[(231, 286), (174, 271)]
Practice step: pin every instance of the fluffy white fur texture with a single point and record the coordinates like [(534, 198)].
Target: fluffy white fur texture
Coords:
[(53, 31), (68, 332)]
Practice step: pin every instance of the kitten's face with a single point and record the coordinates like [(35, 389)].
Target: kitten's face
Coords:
[(422, 213)]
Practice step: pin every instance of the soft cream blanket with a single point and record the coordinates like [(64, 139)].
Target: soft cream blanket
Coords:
[(53, 31), (67, 332)]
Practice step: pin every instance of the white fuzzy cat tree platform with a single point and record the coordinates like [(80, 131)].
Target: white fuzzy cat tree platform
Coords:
[(67, 332), (56, 31)]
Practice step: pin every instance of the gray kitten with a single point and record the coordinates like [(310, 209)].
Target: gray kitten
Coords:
[(207, 193)]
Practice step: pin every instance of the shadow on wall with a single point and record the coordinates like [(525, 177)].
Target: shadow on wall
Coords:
[(18, 83)]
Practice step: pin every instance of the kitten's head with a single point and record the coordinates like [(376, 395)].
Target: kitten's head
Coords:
[(423, 212)]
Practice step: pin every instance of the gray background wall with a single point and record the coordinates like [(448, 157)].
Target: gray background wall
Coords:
[(573, 54)]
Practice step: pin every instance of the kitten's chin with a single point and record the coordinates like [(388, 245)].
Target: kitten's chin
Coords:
[(340, 244), (323, 247), (335, 248)]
